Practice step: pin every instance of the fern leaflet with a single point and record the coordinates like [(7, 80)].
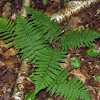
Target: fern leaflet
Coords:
[(72, 89), (74, 39), (6, 30), (47, 66), (50, 28), (29, 39)]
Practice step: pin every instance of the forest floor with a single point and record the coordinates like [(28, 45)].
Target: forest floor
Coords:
[(90, 66)]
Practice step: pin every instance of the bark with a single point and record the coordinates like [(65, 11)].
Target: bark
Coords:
[(23, 11), (72, 7)]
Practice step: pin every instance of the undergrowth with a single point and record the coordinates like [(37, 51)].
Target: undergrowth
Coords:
[(33, 38)]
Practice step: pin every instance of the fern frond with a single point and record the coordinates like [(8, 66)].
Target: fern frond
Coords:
[(29, 10), (47, 67), (77, 38), (6, 30), (50, 28), (28, 38), (72, 90)]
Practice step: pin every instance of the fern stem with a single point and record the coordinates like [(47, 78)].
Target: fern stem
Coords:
[(72, 7)]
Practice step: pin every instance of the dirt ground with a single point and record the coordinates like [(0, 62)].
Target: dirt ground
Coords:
[(10, 63)]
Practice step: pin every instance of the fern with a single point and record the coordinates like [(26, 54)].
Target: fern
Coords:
[(51, 29), (72, 89), (32, 39), (49, 74), (28, 38), (6, 30), (47, 67), (77, 38)]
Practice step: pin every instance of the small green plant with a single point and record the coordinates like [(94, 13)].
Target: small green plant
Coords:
[(44, 2), (97, 78), (93, 52), (75, 62)]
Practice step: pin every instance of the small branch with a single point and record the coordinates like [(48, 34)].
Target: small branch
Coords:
[(72, 7)]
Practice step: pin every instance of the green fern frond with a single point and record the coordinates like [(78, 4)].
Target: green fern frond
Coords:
[(29, 10), (50, 28), (48, 67), (72, 90), (77, 38), (6, 30), (28, 38)]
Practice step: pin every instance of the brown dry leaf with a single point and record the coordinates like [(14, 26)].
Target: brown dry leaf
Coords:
[(4, 49), (2, 64), (6, 10), (2, 44), (10, 52), (67, 62), (5, 87), (13, 17), (77, 73), (20, 87), (98, 11), (92, 93), (57, 0), (75, 22)]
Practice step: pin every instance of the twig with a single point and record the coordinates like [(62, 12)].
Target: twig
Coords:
[(9, 66)]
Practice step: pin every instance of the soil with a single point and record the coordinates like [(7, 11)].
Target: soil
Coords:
[(90, 67)]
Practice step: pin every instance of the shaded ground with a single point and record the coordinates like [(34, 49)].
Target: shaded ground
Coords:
[(90, 66)]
